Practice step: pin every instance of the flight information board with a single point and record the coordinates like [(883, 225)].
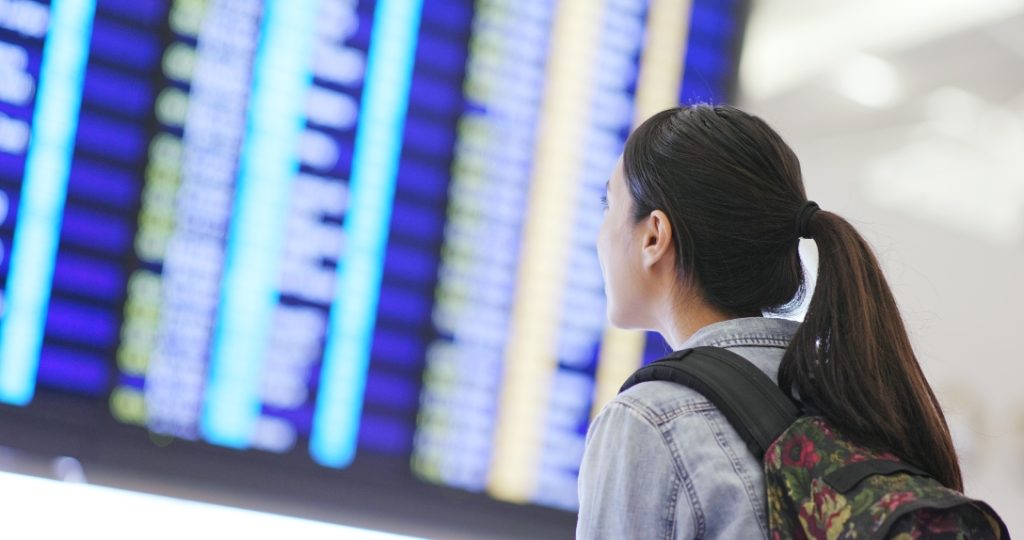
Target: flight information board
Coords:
[(332, 228)]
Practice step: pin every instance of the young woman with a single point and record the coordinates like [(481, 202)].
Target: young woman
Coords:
[(703, 216)]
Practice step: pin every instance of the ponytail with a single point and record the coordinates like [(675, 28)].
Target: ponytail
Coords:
[(852, 359), (732, 189)]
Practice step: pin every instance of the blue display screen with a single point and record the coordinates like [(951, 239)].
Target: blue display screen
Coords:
[(323, 227)]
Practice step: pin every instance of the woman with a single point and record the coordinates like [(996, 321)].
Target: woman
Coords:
[(703, 216)]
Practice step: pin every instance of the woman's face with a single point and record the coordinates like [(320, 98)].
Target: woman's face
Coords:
[(618, 250)]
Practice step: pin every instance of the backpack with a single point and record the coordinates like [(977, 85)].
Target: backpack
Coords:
[(819, 483)]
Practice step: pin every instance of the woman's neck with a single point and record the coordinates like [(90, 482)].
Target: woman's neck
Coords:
[(681, 320)]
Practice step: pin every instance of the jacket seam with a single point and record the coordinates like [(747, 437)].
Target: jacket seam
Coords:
[(754, 341), (699, 521), (670, 511), (691, 408), (738, 468), (659, 419)]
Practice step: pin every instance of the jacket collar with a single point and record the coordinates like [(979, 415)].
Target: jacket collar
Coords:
[(749, 331)]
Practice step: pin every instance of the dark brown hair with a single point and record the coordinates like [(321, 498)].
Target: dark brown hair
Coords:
[(732, 189)]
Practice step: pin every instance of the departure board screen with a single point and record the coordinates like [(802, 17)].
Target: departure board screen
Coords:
[(331, 230)]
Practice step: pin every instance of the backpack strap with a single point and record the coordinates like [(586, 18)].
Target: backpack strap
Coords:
[(755, 406)]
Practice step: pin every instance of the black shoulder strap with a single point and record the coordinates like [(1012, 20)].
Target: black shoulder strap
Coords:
[(755, 406)]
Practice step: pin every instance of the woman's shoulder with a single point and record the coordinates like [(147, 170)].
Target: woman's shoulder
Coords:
[(660, 402)]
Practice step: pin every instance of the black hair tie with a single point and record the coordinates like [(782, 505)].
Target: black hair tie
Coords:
[(803, 218)]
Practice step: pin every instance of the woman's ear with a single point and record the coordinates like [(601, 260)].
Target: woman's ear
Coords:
[(656, 236)]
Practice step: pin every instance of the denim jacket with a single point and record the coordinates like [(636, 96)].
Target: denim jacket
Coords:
[(662, 462)]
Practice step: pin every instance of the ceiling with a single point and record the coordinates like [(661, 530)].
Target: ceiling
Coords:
[(929, 109)]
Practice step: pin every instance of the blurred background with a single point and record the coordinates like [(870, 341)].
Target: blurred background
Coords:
[(333, 259)]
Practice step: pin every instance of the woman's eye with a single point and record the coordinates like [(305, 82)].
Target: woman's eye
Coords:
[(604, 202)]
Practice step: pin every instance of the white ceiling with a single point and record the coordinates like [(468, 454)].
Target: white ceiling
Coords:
[(789, 41), (934, 117)]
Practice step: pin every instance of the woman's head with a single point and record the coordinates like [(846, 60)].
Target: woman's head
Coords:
[(703, 209), (730, 189)]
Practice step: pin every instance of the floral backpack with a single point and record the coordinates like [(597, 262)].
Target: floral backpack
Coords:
[(819, 483)]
